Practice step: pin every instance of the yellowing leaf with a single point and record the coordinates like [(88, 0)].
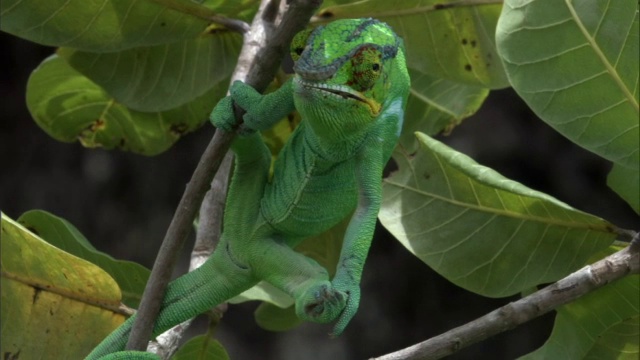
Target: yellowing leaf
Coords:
[(50, 297)]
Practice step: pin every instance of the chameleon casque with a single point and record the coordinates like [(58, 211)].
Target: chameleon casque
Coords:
[(350, 88)]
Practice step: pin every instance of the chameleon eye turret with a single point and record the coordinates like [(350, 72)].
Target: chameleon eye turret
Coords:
[(367, 67)]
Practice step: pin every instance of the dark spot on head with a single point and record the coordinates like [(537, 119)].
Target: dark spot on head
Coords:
[(467, 67), (473, 43), (326, 14), (464, 41)]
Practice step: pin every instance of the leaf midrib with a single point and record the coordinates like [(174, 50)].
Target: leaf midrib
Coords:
[(551, 221), (603, 59)]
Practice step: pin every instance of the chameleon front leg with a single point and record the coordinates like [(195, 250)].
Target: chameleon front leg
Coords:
[(359, 233)]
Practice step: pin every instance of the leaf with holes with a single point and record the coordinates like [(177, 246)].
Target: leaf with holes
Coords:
[(576, 64), (481, 231), (444, 39), (48, 296), (70, 107)]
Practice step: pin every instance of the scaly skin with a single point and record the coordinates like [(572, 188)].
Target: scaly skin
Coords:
[(350, 88)]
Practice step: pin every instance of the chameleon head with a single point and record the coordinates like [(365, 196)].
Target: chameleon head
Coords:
[(343, 74)]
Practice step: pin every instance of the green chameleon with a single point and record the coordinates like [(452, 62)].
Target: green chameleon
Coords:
[(350, 88)]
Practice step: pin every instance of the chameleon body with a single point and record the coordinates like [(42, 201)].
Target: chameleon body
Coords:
[(350, 88)]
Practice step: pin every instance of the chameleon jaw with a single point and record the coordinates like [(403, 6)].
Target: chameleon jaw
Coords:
[(346, 93)]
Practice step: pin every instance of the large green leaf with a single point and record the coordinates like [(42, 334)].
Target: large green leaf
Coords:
[(626, 183), (481, 231), (49, 296), (601, 325), (159, 78), (131, 277), (437, 105), (70, 107), (444, 39), (112, 25), (576, 64)]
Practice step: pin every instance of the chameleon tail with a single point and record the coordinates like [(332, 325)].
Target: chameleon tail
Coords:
[(217, 280)]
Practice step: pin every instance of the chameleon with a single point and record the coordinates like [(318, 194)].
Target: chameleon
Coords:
[(350, 87)]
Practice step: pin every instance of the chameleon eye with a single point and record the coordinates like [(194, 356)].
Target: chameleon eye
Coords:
[(367, 66), (298, 43)]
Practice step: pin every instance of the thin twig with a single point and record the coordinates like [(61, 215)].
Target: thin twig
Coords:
[(586, 280), (207, 238), (261, 71)]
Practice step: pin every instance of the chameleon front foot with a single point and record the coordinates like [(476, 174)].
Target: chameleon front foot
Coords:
[(321, 303)]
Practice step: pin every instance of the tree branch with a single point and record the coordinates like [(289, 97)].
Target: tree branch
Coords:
[(616, 266), (207, 238), (260, 72)]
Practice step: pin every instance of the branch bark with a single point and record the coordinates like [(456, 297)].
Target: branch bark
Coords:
[(261, 60), (588, 279), (207, 238)]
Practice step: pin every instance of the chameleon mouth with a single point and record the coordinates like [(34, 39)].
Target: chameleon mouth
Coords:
[(347, 94)]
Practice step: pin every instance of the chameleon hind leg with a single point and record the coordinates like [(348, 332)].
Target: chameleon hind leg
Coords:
[(301, 277), (217, 280)]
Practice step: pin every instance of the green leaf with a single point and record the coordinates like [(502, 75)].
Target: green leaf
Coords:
[(273, 318), (601, 325), (201, 347), (113, 25), (70, 107), (131, 277), (48, 296), (576, 63), (264, 291), (483, 232), (626, 183), (159, 78), (437, 105), (444, 39)]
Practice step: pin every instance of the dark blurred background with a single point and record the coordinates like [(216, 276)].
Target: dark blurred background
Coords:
[(123, 203)]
